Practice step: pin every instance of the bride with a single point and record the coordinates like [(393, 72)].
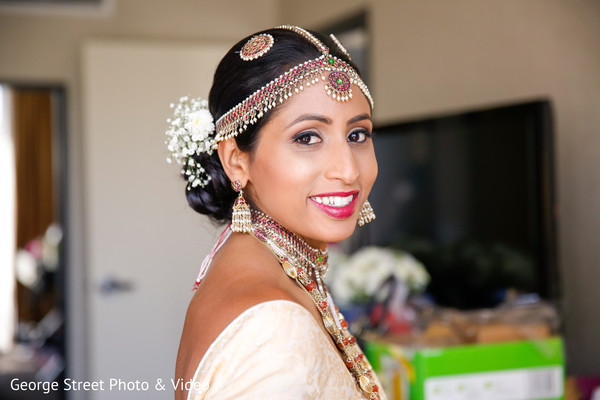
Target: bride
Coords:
[(288, 164)]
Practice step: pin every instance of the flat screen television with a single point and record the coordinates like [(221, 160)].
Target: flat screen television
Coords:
[(471, 196)]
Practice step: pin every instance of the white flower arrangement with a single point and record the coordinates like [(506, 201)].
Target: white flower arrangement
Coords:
[(191, 131), (359, 278)]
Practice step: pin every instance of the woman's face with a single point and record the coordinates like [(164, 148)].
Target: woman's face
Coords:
[(314, 165)]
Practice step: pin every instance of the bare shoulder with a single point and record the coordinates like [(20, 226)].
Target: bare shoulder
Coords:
[(243, 274)]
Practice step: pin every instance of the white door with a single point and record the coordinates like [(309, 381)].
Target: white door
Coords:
[(143, 243)]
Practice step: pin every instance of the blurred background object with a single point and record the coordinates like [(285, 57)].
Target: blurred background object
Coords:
[(472, 196), (34, 136)]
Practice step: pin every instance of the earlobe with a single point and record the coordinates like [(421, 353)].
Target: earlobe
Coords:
[(234, 161)]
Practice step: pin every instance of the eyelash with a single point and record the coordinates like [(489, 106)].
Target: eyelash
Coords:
[(362, 131), (311, 134), (298, 138)]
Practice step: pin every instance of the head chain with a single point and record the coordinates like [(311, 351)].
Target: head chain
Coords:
[(338, 85)]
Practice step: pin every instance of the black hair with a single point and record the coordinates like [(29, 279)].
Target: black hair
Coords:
[(235, 80)]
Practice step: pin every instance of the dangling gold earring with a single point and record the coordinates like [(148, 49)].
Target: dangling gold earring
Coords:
[(366, 214), (241, 218)]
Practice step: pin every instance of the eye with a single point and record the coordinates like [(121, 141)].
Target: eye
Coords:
[(359, 135), (307, 138)]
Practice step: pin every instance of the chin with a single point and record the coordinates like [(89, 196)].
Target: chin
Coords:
[(323, 229), (341, 230)]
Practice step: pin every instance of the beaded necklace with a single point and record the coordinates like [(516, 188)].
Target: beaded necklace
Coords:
[(298, 251), (301, 262)]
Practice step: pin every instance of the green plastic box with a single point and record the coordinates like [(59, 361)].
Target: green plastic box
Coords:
[(523, 370)]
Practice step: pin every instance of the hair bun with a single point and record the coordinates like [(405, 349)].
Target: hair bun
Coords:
[(216, 198)]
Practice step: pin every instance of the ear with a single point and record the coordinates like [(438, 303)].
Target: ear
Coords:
[(234, 161)]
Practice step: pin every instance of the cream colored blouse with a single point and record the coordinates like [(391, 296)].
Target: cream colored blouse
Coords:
[(273, 350)]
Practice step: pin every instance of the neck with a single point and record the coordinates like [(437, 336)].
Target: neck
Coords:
[(316, 245)]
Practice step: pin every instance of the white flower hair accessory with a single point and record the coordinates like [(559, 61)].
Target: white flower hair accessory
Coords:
[(191, 131)]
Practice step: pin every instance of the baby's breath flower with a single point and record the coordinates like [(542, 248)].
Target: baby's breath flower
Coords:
[(190, 131)]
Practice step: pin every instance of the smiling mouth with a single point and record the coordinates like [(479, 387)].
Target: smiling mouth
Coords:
[(336, 205), (334, 201)]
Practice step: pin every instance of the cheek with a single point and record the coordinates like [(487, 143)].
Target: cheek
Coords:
[(369, 168), (280, 176)]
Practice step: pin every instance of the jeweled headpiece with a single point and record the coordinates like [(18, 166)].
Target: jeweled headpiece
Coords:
[(338, 84), (256, 47), (192, 132)]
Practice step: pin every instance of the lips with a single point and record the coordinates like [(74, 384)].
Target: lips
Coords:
[(339, 205)]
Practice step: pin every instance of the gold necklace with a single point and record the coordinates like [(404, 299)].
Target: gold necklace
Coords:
[(311, 259), (301, 262)]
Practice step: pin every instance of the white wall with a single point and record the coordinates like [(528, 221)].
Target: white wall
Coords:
[(45, 46), (437, 56), (139, 227)]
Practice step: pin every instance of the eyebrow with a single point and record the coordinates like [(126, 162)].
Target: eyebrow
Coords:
[(325, 120), (360, 117)]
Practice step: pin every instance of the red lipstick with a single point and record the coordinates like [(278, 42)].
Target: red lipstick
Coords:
[(337, 212)]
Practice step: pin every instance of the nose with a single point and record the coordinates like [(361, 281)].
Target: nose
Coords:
[(342, 163)]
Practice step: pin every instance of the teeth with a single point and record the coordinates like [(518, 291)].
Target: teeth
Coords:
[(334, 201)]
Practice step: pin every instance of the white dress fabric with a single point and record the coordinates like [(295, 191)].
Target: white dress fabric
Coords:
[(273, 350)]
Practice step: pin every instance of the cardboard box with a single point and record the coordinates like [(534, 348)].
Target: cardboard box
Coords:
[(520, 370)]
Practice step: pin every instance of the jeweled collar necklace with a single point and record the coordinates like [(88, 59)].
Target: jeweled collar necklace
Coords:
[(306, 266), (312, 261)]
